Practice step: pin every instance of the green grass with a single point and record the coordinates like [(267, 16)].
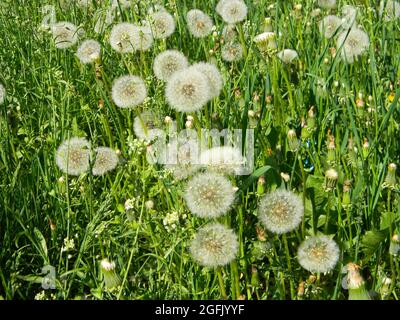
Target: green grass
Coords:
[(51, 97)]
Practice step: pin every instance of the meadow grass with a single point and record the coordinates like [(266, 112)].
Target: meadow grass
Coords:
[(51, 96)]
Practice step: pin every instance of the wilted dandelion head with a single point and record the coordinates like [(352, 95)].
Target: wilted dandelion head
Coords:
[(142, 38), (287, 55), (391, 11), (280, 211), (213, 75), (209, 195), (232, 51), (88, 51), (265, 41), (146, 126), (225, 160), (349, 16), (128, 91), (73, 156), (214, 245), (121, 37), (168, 62), (162, 24), (187, 90), (106, 160), (329, 25), (233, 11), (110, 277), (65, 34), (199, 24), (352, 44), (318, 254), (3, 94), (327, 4)]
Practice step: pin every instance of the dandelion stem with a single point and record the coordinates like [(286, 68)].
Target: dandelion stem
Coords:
[(221, 283)]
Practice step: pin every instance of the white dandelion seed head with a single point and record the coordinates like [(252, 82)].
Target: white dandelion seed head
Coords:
[(287, 55), (352, 44), (220, 5), (162, 24), (199, 24), (225, 160), (3, 94), (122, 37), (349, 14), (88, 51), (214, 245), (391, 11), (65, 34), (327, 4), (142, 38), (146, 126), (73, 156), (280, 211), (168, 62), (329, 25), (128, 91), (187, 90), (229, 33), (318, 254), (213, 75), (209, 195), (234, 11), (107, 265), (106, 160), (232, 52)]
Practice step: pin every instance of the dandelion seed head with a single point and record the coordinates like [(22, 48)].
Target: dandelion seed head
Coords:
[(209, 195), (122, 37), (73, 156), (162, 24), (225, 160), (142, 38), (280, 211), (234, 11), (214, 245), (318, 254), (213, 75), (128, 91), (329, 25), (146, 126), (232, 52), (88, 51), (168, 62), (106, 160), (199, 24), (287, 55), (187, 90), (65, 34), (352, 44)]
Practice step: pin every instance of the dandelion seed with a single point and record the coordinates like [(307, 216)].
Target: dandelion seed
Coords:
[(65, 34), (232, 52), (352, 44), (199, 24), (162, 24), (329, 26), (213, 75), (88, 51), (3, 94), (287, 55), (146, 126), (110, 277), (106, 160), (318, 254), (168, 62), (280, 211), (209, 195), (391, 11), (327, 4), (128, 91), (214, 245), (225, 160), (234, 11), (187, 90), (73, 156), (122, 37)]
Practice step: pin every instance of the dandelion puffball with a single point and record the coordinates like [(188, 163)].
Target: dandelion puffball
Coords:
[(162, 24), (128, 91), (3, 94), (214, 245), (287, 55), (168, 62), (280, 211), (88, 51), (187, 90), (106, 160), (225, 159), (122, 37), (352, 44), (73, 156), (329, 25), (199, 24), (65, 34), (209, 195), (142, 38), (213, 75), (232, 52), (233, 11), (145, 126), (318, 254)]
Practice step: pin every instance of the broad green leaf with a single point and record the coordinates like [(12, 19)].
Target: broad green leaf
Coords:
[(371, 242)]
